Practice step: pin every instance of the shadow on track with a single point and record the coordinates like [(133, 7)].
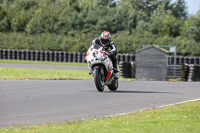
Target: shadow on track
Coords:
[(138, 92)]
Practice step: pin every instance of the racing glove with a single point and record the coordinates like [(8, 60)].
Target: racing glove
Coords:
[(109, 53)]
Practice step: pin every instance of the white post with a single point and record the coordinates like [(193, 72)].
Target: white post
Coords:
[(173, 49), (175, 62)]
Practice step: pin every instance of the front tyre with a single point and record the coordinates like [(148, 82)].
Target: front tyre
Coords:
[(98, 80), (113, 86)]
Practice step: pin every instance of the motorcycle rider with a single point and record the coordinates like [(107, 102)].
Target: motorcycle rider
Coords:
[(105, 41)]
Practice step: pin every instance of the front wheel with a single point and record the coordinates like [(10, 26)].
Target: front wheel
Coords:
[(98, 80), (113, 86)]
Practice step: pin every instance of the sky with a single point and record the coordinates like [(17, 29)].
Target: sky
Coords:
[(193, 6)]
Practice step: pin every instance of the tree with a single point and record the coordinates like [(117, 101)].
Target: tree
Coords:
[(75, 5), (157, 19), (169, 25), (191, 27), (185, 26), (44, 20), (179, 9)]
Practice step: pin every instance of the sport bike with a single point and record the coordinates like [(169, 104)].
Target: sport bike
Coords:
[(101, 67)]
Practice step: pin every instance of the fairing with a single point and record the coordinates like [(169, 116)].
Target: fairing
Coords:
[(96, 56)]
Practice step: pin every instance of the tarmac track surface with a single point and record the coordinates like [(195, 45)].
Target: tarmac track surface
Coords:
[(29, 102)]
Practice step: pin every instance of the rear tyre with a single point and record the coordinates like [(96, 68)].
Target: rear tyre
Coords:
[(113, 86), (98, 80)]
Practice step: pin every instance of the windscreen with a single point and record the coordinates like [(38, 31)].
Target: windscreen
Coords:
[(95, 46)]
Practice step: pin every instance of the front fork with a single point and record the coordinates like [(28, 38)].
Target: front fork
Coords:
[(101, 72)]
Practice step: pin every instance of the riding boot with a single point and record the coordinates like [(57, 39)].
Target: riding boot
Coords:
[(115, 70)]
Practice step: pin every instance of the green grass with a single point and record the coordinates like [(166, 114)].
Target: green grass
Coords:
[(8, 73), (43, 74), (180, 118), (42, 62)]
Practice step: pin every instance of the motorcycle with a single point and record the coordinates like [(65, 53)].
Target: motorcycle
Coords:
[(101, 67)]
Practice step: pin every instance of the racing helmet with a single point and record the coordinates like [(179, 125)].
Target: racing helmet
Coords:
[(105, 37)]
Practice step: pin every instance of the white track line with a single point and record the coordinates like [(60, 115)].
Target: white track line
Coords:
[(156, 107)]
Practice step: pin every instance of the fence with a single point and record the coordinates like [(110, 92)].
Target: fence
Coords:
[(170, 71), (187, 72)]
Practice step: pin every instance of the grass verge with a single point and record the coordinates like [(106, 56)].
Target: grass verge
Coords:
[(10, 73), (43, 74), (42, 62), (180, 118)]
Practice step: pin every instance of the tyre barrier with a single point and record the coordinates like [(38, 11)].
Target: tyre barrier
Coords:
[(46, 56), (125, 58), (79, 57), (191, 60), (70, 57), (185, 72), (181, 60), (83, 58), (65, 57), (125, 69), (197, 61), (75, 57), (61, 56), (194, 73), (187, 60)]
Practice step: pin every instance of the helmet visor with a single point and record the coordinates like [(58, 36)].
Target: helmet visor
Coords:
[(104, 41)]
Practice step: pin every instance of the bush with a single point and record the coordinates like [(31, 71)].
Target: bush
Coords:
[(79, 42)]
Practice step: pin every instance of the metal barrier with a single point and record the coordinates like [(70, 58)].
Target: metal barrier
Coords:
[(187, 72), (170, 71)]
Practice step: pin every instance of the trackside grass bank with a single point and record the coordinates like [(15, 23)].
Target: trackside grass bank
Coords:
[(42, 62), (8, 73), (180, 118), (43, 74)]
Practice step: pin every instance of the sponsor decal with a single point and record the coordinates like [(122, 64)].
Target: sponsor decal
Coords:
[(87, 55), (104, 59), (95, 52), (110, 66), (108, 76)]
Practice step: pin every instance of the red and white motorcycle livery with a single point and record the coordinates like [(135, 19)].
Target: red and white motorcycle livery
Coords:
[(101, 67)]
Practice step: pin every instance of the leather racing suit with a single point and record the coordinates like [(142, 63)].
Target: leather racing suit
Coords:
[(106, 45)]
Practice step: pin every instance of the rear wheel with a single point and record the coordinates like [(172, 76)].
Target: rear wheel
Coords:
[(98, 80), (113, 86)]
